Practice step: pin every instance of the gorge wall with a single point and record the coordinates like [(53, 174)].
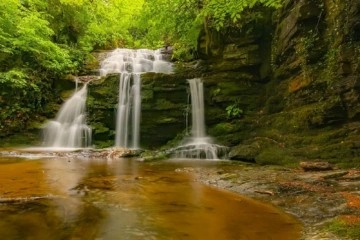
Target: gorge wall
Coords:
[(307, 86)]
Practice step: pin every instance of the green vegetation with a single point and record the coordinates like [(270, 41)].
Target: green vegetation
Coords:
[(276, 155), (234, 111), (180, 22), (344, 229)]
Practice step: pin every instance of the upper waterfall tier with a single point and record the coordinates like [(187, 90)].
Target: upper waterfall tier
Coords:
[(129, 64), (135, 61)]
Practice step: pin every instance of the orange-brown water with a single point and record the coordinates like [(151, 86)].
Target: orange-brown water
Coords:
[(126, 199)]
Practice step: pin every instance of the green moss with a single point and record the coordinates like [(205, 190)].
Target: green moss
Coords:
[(163, 104), (66, 94), (276, 156), (222, 128), (343, 229), (154, 155), (104, 144), (147, 95), (306, 116), (99, 127)]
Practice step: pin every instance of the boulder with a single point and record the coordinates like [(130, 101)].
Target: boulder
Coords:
[(242, 152)]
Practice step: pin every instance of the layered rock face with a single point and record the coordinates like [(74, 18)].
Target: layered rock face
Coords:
[(311, 108)]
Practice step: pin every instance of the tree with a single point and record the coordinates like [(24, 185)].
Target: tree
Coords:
[(26, 45)]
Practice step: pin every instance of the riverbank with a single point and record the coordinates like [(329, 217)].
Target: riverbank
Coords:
[(317, 198)]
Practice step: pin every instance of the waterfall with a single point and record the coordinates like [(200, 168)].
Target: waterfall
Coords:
[(130, 64), (69, 129), (198, 145), (197, 108), (123, 110)]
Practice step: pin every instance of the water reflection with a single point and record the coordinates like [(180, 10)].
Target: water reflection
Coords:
[(126, 199)]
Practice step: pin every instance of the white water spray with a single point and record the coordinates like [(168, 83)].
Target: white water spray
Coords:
[(69, 129), (130, 64)]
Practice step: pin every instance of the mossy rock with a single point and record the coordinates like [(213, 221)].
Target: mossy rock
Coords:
[(223, 128), (67, 94), (246, 153), (103, 144), (276, 156), (164, 104)]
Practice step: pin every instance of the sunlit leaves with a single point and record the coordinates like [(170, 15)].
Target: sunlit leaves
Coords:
[(169, 22), (15, 78), (181, 21), (223, 12), (26, 35), (72, 2)]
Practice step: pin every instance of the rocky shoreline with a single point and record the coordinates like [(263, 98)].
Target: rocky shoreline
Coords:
[(314, 197)]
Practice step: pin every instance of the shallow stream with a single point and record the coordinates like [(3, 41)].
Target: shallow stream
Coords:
[(74, 198)]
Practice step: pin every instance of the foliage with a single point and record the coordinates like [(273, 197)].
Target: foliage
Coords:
[(222, 13), (234, 111), (27, 52), (25, 38), (180, 22)]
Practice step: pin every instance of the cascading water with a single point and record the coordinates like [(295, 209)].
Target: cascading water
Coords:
[(197, 109), (69, 129), (130, 64), (198, 145)]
